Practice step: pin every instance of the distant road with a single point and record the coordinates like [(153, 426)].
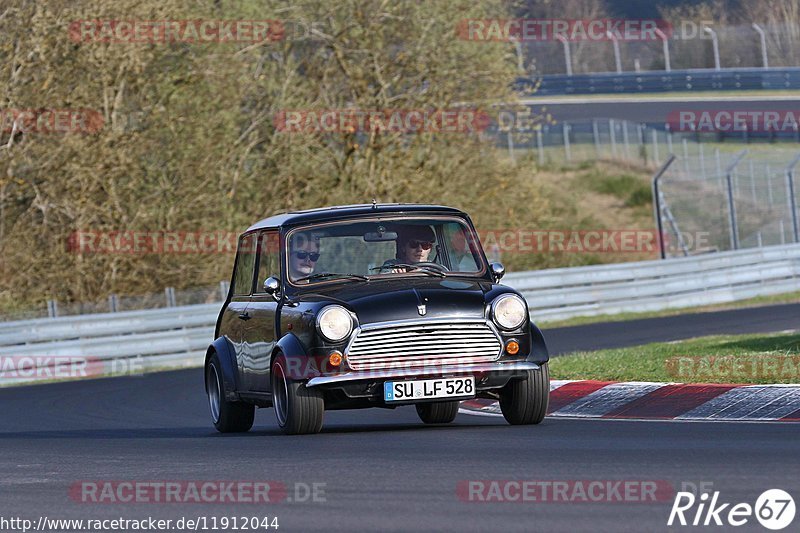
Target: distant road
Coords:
[(769, 318), (655, 109)]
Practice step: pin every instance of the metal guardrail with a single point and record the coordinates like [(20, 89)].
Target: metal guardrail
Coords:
[(728, 79), (179, 336), (657, 285)]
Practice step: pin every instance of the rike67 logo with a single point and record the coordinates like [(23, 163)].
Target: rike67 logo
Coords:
[(774, 509)]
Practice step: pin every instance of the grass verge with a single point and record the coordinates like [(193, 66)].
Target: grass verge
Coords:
[(756, 359)]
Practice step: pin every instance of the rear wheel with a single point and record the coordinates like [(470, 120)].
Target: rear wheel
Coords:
[(524, 401), (227, 416), (299, 409), (437, 412)]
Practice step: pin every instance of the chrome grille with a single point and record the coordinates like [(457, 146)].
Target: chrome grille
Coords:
[(395, 345)]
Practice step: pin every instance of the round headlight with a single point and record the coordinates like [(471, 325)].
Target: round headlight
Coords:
[(335, 323), (509, 311)]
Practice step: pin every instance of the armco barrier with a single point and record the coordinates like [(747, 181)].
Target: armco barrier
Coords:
[(178, 336), (655, 285), (728, 79)]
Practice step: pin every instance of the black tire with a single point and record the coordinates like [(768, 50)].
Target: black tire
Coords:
[(438, 412), (227, 416), (525, 401), (299, 409)]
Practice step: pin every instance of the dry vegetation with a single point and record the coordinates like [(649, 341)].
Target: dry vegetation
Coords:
[(188, 141)]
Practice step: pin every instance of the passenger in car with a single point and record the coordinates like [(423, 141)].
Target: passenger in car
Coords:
[(304, 255)]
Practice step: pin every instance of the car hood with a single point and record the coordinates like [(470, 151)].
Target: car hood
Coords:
[(383, 301)]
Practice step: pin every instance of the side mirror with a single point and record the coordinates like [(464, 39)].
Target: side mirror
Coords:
[(498, 271), (272, 286)]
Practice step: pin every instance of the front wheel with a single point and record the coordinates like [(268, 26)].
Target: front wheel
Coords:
[(299, 409), (438, 412), (227, 416), (524, 401)]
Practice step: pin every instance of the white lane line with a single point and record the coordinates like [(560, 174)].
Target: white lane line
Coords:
[(607, 399)]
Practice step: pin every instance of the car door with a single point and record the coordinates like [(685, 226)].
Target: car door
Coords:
[(236, 314), (259, 332)]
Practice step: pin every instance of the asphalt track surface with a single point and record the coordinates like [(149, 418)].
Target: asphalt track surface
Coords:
[(382, 469), (656, 109)]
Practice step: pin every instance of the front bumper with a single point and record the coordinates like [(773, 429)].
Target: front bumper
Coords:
[(495, 370)]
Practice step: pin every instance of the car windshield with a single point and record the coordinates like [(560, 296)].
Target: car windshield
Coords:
[(362, 250)]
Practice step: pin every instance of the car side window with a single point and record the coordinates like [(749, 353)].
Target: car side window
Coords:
[(245, 265), (269, 262)]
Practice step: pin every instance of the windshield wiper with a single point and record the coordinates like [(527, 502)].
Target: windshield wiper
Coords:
[(413, 268), (327, 275)]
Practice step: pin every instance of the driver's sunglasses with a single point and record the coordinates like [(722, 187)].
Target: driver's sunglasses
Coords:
[(302, 256), (425, 245)]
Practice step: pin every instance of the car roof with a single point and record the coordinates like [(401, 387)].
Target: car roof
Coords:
[(322, 214)]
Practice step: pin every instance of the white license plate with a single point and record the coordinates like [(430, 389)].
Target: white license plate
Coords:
[(426, 389)]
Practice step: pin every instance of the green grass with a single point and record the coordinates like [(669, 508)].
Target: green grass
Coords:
[(632, 190), (791, 297), (757, 359)]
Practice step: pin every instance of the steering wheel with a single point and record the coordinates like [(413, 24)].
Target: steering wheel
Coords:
[(434, 266)]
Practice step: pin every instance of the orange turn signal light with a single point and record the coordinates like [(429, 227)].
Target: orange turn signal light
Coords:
[(512, 347), (335, 358)]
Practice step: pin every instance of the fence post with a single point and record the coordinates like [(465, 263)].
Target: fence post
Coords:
[(511, 148), (170, 294), (52, 308), (612, 131), (596, 137), (657, 203), (792, 197), (702, 161), (642, 144), (731, 202), (668, 131), (113, 303), (626, 139), (223, 289), (656, 155), (567, 147), (769, 184), (540, 146), (685, 156)]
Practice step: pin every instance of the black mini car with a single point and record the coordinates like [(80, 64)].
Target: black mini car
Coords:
[(375, 305)]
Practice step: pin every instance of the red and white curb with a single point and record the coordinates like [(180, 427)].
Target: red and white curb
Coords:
[(662, 401)]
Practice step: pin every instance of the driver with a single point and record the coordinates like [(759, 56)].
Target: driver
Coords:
[(414, 245)]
